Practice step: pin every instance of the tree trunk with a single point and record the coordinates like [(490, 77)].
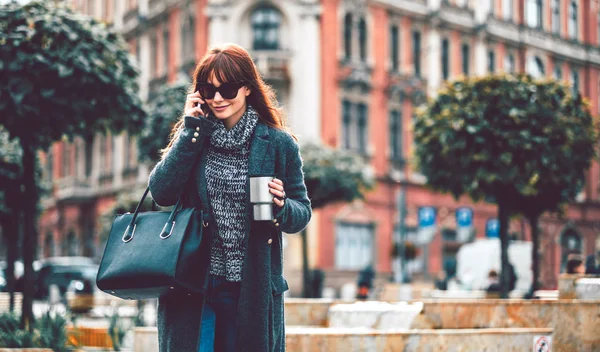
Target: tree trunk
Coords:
[(9, 224), (535, 260), (305, 278), (504, 276), (30, 200)]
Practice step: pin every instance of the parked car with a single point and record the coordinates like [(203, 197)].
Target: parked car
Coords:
[(61, 272)]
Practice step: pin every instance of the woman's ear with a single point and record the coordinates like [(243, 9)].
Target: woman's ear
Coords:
[(247, 91)]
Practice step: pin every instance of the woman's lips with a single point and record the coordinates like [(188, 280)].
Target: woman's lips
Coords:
[(220, 108)]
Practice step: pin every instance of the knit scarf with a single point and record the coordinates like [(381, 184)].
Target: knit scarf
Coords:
[(226, 176)]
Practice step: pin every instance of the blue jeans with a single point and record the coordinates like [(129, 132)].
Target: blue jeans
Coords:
[(219, 330)]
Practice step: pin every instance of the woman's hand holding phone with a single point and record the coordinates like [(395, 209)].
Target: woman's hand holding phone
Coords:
[(193, 105)]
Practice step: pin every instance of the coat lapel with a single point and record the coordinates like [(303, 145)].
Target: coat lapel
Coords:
[(258, 149)]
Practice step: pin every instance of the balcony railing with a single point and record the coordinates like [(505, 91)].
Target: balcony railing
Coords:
[(73, 189), (273, 64)]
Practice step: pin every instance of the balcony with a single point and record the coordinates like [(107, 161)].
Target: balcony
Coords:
[(73, 189), (415, 7), (273, 64), (534, 37), (456, 16)]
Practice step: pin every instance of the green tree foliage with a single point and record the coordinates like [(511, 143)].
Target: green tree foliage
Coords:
[(164, 109), (61, 74), (521, 143), (334, 175)]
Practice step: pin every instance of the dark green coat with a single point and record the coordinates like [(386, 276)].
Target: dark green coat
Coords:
[(260, 311)]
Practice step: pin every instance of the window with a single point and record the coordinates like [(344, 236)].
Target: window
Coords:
[(557, 73), (354, 245), (66, 159), (509, 63), (396, 135), (88, 157), (465, 49), (535, 67), (348, 36), (362, 131), (362, 37), (394, 47), (188, 38), (266, 22), (445, 59), (491, 61), (49, 245), (575, 80), (49, 164), (153, 56), (534, 13), (346, 122), (354, 126), (573, 20), (555, 16), (417, 52), (507, 9), (166, 51)]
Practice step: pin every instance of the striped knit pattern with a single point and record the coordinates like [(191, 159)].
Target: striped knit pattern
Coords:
[(226, 175)]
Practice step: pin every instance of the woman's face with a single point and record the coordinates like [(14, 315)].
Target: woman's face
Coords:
[(228, 110)]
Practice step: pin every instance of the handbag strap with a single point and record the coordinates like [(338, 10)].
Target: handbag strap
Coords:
[(167, 229)]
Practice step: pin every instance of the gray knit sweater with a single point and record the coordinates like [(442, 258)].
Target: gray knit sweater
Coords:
[(226, 175)]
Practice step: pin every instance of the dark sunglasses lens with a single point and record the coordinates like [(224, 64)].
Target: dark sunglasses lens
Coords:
[(229, 90), (207, 91)]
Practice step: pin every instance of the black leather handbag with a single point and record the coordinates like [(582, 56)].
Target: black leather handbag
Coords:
[(153, 253)]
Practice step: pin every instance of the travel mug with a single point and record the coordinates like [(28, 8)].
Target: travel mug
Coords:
[(261, 198)]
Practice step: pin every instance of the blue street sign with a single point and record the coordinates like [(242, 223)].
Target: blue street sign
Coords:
[(464, 217), (492, 228), (426, 216)]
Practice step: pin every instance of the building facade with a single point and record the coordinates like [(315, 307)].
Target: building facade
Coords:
[(350, 74)]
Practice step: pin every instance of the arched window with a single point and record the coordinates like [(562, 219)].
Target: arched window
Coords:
[(535, 67), (362, 38), (266, 23), (573, 19), (348, 36)]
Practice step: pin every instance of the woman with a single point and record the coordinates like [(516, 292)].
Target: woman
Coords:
[(231, 131)]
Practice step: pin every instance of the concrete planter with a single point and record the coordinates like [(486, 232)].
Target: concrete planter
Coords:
[(374, 315)]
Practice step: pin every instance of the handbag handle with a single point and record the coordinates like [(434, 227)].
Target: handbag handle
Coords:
[(167, 229)]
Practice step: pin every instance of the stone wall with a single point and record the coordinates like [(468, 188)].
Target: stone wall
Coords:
[(315, 339), (469, 340), (575, 322)]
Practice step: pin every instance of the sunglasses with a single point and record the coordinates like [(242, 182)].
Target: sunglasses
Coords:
[(227, 90)]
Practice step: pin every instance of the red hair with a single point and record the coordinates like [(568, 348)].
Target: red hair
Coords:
[(232, 63)]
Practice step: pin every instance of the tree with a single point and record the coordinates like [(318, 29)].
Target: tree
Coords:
[(331, 176), (10, 176), (62, 74), (521, 143), (164, 109)]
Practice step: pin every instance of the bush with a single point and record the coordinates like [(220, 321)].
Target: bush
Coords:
[(48, 332)]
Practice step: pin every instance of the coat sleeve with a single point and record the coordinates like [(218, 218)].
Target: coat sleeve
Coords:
[(296, 212), (169, 176)]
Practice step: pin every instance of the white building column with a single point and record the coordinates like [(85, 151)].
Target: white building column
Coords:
[(434, 69), (144, 60), (218, 28), (480, 56), (304, 108)]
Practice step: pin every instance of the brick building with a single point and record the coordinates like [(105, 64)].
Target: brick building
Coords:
[(350, 74)]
